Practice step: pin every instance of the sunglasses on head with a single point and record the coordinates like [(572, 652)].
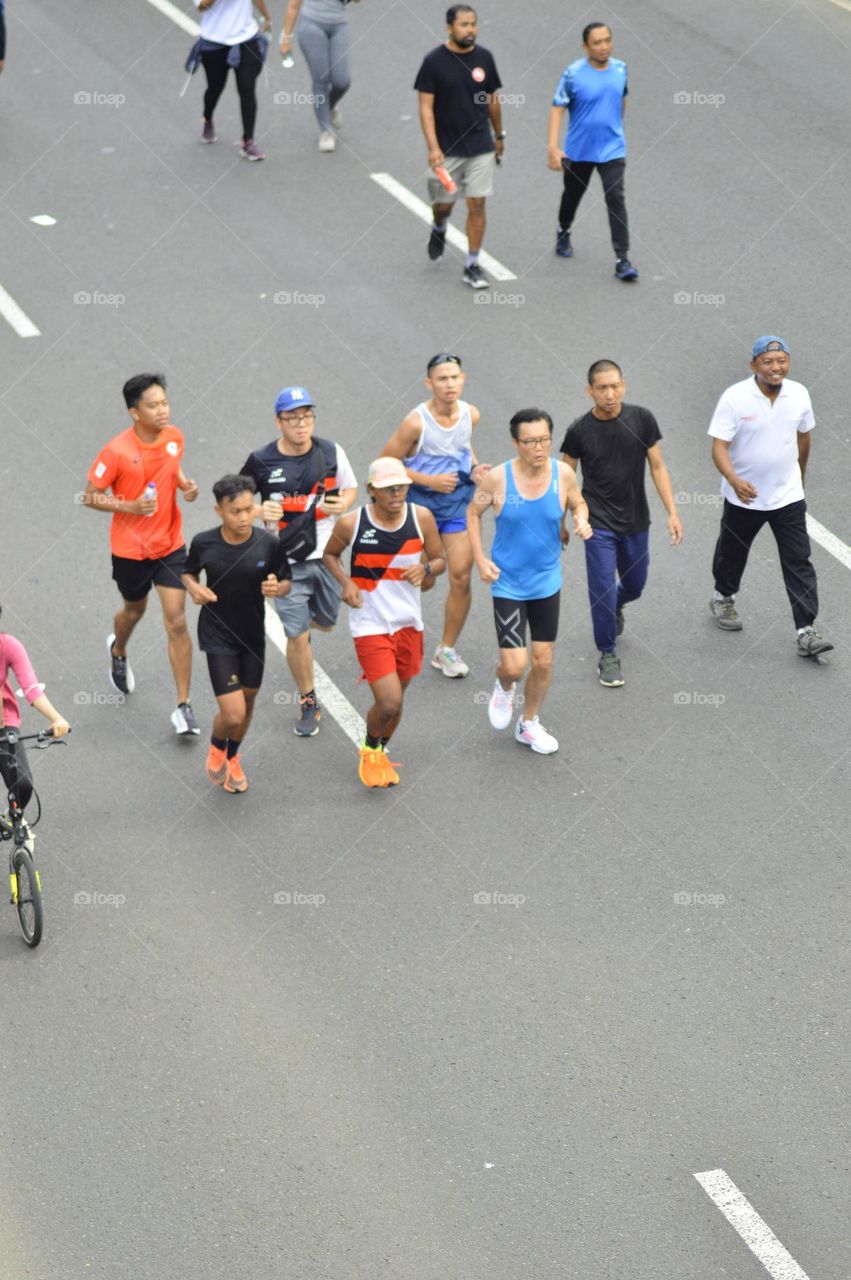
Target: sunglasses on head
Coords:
[(445, 357)]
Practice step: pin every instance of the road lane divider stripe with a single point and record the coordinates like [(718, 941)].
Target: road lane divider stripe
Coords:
[(177, 16), (745, 1220), (16, 317), (422, 211)]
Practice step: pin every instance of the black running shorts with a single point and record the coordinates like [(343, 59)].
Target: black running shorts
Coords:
[(512, 616), (230, 672), (134, 578)]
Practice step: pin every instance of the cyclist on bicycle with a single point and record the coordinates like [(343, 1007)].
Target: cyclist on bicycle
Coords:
[(14, 767)]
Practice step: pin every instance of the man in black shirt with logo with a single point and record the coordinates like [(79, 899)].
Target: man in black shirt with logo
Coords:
[(614, 441), (461, 119), (243, 566)]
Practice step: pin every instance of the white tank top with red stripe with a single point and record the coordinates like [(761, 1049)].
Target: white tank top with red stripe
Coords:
[(379, 557)]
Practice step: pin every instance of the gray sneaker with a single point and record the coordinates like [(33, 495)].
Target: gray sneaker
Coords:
[(609, 671), (811, 644), (307, 724), (724, 613)]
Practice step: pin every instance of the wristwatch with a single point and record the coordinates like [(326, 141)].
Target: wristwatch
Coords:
[(500, 137)]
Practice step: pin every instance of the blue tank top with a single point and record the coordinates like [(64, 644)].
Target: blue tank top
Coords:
[(527, 545)]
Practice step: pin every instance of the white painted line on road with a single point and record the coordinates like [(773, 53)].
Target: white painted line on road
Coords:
[(829, 541), (744, 1219), (180, 19), (329, 695), (17, 318), (842, 4), (423, 211)]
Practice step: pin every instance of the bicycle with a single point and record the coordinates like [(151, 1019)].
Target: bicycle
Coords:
[(24, 880)]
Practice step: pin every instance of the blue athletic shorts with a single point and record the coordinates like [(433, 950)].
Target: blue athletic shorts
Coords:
[(458, 524)]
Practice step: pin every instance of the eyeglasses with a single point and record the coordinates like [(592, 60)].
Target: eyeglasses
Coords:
[(392, 488), (304, 416), (535, 440), (444, 358)]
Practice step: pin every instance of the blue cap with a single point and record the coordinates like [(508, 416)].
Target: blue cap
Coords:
[(293, 398), (768, 342)]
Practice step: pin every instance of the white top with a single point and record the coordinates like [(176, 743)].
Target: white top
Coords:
[(228, 21), (763, 439)]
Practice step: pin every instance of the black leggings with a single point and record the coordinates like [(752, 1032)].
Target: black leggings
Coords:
[(250, 65), (15, 770)]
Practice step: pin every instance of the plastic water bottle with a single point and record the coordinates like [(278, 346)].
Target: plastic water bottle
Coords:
[(150, 492), (288, 61)]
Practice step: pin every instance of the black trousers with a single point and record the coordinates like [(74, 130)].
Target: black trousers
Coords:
[(15, 771), (739, 527), (577, 175), (216, 68)]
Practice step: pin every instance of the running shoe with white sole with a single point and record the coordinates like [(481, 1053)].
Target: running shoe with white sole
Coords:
[(249, 151), (447, 660), (724, 613), (120, 675), (533, 734), (307, 725), (501, 706), (327, 141), (184, 721), (208, 131), (609, 671), (475, 277), (811, 644)]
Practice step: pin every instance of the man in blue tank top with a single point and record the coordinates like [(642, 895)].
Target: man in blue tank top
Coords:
[(530, 495), (436, 444)]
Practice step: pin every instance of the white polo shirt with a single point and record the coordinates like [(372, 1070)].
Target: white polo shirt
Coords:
[(228, 22), (763, 439)]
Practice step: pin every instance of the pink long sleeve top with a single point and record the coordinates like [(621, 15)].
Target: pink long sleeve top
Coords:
[(14, 659)]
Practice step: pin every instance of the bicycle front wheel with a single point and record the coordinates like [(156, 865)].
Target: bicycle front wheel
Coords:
[(28, 898)]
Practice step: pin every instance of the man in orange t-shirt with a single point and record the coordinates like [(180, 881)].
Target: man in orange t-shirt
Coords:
[(142, 468)]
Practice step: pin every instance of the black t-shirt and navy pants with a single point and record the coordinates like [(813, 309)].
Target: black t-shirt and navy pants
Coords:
[(460, 84), (613, 456)]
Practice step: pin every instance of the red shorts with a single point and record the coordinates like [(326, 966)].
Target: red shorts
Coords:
[(383, 655)]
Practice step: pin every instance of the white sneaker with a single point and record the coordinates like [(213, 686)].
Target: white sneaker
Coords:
[(327, 141), (501, 706), (447, 660), (533, 734), (337, 117)]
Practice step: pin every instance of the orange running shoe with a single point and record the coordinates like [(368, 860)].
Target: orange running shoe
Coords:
[(236, 779), (371, 770), (217, 765), (392, 777)]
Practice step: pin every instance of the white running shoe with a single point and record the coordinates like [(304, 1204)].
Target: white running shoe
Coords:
[(533, 734), (447, 660), (501, 706), (327, 141)]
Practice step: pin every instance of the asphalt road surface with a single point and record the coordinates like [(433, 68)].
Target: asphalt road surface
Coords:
[(513, 1006)]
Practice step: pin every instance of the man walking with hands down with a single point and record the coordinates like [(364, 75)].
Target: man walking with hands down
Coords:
[(461, 120), (530, 496), (615, 442), (593, 91), (761, 443)]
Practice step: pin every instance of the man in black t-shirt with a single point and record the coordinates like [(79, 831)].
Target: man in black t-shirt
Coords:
[(614, 441), (461, 119), (243, 566)]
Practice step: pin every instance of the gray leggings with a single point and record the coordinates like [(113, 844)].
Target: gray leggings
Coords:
[(326, 47)]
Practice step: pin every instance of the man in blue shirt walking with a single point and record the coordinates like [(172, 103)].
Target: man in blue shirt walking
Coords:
[(593, 91)]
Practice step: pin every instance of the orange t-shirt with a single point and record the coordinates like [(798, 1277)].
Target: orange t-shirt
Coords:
[(127, 466)]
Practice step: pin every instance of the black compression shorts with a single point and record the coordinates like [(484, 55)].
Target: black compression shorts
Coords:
[(230, 672), (512, 616)]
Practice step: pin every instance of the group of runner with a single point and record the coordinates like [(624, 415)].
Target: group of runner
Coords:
[(427, 496)]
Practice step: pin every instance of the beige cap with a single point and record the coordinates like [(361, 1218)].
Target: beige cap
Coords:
[(384, 472)]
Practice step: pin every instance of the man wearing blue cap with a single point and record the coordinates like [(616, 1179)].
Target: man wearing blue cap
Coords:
[(760, 443), (304, 483)]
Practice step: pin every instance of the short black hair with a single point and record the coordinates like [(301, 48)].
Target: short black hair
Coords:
[(603, 366), (453, 11), (135, 388), (231, 486), (528, 415), (592, 26)]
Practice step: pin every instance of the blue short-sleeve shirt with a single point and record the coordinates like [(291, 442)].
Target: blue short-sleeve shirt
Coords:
[(594, 101)]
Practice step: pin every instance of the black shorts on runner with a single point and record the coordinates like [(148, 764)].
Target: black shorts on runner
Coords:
[(230, 672), (511, 617), (134, 578)]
